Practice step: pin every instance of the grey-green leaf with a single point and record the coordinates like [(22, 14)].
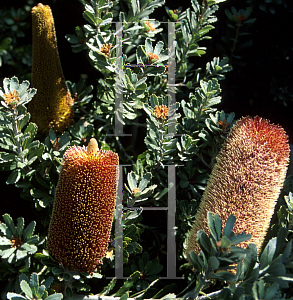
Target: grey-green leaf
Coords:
[(27, 233), (32, 240), (145, 181), (34, 282), (239, 238), (48, 282), (14, 177), (23, 87), (132, 180), (30, 249), (10, 224), (213, 263), (6, 253), (268, 253), (229, 225), (203, 241), (218, 225), (14, 296), (212, 226), (14, 84), (20, 254), (55, 297)]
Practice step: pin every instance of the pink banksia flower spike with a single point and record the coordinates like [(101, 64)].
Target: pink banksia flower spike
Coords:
[(84, 206), (246, 180), (51, 108)]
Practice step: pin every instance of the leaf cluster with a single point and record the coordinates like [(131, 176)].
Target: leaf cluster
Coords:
[(247, 277)]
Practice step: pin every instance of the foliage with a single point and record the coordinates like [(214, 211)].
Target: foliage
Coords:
[(14, 23), (32, 290), (220, 256), (269, 6), (187, 133), (237, 37), (17, 243), (16, 136)]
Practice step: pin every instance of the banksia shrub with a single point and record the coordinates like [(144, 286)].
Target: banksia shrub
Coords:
[(84, 207), (51, 108), (246, 180)]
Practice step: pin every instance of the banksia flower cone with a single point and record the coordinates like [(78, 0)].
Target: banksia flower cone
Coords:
[(51, 108), (84, 207), (246, 180)]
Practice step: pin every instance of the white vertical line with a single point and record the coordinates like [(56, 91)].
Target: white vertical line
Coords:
[(171, 236), (118, 83), (119, 228), (171, 76)]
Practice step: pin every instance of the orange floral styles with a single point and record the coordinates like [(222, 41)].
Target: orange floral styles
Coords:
[(246, 180), (161, 111), (136, 190), (16, 242), (84, 206), (106, 49), (153, 57), (11, 99), (150, 26), (51, 108)]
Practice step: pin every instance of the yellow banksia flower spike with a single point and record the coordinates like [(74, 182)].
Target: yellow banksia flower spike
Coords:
[(84, 206), (51, 108), (246, 180)]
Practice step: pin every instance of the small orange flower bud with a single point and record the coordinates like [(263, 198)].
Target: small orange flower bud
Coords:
[(153, 57), (161, 111), (51, 108), (11, 99), (150, 26), (246, 180), (84, 207), (106, 49), (135, 190)]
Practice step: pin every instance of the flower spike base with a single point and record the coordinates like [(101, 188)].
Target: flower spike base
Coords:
[(84, 207), (246, 180)]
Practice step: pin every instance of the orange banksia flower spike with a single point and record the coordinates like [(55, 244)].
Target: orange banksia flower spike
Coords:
[(51, 108), (84, 207), (246, 180)]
